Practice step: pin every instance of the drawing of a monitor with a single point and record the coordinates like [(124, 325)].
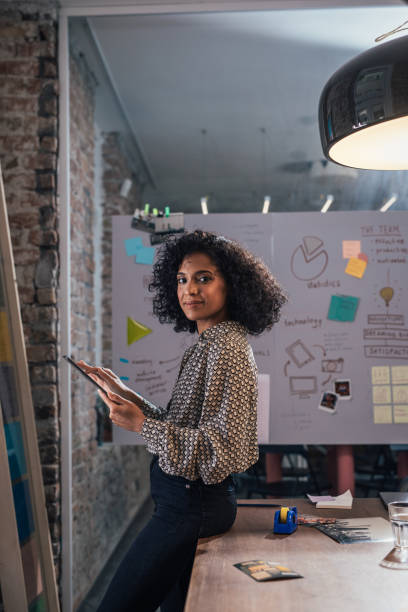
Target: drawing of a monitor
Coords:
[(302, 385)]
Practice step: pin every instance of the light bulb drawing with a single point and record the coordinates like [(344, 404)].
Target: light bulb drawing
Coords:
[(387, 295), (387, 292)]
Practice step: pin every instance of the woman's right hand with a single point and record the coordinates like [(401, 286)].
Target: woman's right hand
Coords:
[(109, 381)]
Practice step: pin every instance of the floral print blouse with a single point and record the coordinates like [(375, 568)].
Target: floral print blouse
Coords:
[(209, 428)]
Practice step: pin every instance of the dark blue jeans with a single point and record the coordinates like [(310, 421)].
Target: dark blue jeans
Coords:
[(156, 570)]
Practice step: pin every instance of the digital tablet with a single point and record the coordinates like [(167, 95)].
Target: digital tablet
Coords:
[(72, 362)]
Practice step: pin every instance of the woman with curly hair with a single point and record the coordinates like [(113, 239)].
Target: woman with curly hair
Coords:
[(208, 284)]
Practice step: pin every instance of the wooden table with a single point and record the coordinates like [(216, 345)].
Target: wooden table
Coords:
[(336, 577)]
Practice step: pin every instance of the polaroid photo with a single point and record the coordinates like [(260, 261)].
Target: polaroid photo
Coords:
[(328, 402), (342, 388)]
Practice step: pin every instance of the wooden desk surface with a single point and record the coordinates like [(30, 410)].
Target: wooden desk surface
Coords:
[(337, 577)]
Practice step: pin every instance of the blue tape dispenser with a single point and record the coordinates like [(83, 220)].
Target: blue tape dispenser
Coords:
[(286, 520)]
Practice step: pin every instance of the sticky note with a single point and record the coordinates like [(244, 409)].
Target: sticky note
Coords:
[(6, 353), (145, 255), (2, 298), (351, 248), (381, 394), (8, 393), (15, 450), (363, 256), (399, 374), (356, 267), (400, 394), (342, 308), (136, 330), (382, 415), (22, 505), (401, 413), (132, 245), (380, 375)]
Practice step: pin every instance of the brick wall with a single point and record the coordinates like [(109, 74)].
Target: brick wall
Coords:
[(116, 168), (28, 153), (109, 483)]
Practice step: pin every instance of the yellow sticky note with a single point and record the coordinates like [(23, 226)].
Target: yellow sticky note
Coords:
[(401, 414), (381, 394), (6, 353), (356, 267), (380, 375), (382, 414), (351, 248), (399, 374), (400, 394)]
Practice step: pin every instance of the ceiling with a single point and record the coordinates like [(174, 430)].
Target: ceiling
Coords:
[(225, 104)]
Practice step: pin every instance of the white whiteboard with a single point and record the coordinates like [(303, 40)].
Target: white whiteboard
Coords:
[(306, 352)]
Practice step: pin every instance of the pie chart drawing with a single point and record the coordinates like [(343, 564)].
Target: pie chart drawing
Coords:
[(309, 260)]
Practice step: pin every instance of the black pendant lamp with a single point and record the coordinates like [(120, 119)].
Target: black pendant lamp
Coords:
[(363, 110)]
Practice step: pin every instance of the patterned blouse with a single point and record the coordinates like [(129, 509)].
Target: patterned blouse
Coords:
[(208, 429)]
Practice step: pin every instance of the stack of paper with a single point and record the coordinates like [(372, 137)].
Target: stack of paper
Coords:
[(345, 500)]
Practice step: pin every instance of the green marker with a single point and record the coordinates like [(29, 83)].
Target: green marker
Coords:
[(167, 211), (155, 212), (146, 209)]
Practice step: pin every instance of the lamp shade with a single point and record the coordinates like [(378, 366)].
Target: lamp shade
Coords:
[(363, 110)]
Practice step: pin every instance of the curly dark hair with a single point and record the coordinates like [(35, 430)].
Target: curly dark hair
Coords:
[(254, 297)]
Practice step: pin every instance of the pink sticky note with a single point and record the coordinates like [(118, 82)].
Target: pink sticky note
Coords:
[(363, 256), (351, 248)]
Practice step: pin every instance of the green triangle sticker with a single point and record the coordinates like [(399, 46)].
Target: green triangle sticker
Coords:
[(136, 331)]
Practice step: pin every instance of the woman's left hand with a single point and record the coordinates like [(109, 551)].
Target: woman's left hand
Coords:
[(123, 413)]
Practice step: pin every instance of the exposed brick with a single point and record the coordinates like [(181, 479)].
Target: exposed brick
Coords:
[(12, 32), (47, 126), (47, 431), (46, 270), (7, 48), (15, 104), (49, 143), (47, 102), (41, 353), (40, 162), (44, 396), (52, 491), (47, 67), (26, 294), (50, 475), (35, 49), (19, 180), (47, 32), (17, 142), (27, 67), (47, 217), (42, 374), (26, 34), (11, 124), (21, 220), (27, 200), (46, 296), (43, 238), (20, 87), (45, 181), (43, 333), (25, 256)]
